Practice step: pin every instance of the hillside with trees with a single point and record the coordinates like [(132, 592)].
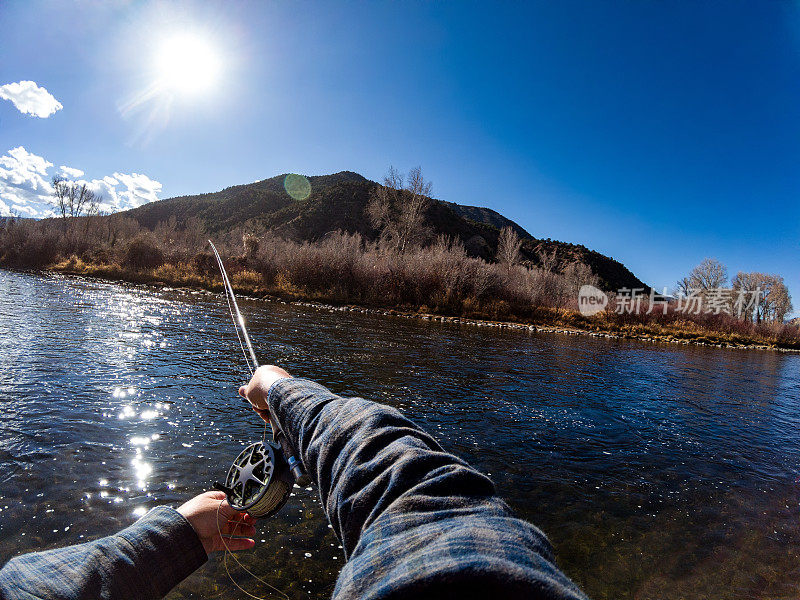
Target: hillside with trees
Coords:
[(339, 202)]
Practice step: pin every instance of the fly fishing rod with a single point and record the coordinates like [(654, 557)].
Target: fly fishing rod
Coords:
[(261, 477)]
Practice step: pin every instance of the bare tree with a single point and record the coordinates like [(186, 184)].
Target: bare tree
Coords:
[(415, 203), (709, 274), (547, 260), (777, 300), (765, 297), (73, 199), (508, 247), (60, 193), (683, 287), (773, 297), (84, 202), (398, 209), (744, 286), (379, 207), (578, 274), (251, 244)]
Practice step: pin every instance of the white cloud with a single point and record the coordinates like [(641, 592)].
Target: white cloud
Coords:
[(69, 172), (25, 187), (30, 99), (124, 191)]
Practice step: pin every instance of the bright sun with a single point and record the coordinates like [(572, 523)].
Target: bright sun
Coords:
[(187, 64)]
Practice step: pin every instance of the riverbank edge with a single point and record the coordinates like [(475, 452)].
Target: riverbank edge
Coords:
[(113, 273)]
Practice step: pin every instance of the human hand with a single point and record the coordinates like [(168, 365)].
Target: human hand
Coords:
[(256, 390), (209, 514)]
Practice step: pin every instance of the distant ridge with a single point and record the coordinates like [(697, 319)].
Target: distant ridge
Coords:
[(338, 202), (487, 216)]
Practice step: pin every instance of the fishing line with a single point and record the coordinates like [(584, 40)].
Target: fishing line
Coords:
[(238, 562)]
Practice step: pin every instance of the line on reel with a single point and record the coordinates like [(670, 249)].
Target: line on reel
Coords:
[(259, 480)]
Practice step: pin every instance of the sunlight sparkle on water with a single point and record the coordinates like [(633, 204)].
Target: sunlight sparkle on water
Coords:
[(142, 470)]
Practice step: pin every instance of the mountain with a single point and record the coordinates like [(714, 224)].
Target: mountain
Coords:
[(487, 216), (338, 202)]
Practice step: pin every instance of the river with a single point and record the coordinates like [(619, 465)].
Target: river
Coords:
[(657, 471)]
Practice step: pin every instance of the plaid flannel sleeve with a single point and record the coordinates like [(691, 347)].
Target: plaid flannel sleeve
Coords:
[(414, 520), (145, 560)]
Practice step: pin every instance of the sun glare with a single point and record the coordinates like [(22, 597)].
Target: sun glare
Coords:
[(187, 64)]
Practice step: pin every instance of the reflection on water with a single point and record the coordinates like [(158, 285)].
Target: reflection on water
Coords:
[(657, 471)]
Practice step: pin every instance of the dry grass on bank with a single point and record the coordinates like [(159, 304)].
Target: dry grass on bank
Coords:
[(347, 269)]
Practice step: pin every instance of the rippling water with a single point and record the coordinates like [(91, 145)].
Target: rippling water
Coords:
[(657, 471)]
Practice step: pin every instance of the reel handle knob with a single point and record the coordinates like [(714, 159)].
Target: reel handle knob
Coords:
[(299, 475), (222, 488)]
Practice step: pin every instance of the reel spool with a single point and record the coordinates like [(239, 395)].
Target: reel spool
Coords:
[(259, 480)]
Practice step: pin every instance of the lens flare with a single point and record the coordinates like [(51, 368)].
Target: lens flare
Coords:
[(297, 186)]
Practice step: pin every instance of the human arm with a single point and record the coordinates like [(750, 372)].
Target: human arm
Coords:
[(144, 560), (414, 520)]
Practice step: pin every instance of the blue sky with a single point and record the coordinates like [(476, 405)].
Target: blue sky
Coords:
[(658, 133)]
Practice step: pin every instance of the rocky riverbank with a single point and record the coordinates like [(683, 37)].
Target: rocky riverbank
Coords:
[(595, 327)]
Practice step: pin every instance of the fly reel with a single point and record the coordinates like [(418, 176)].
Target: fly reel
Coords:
[(259, 480)]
